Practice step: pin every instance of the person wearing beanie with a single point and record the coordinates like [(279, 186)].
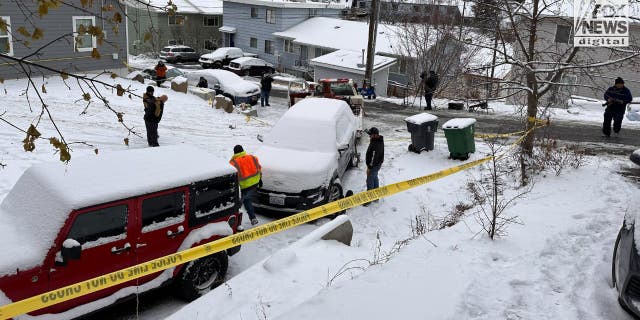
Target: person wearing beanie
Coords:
[(374, 158), (249, 178), (617, 98)]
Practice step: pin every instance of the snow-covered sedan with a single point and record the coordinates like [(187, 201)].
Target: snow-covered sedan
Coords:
[(228, 84), (305, 155), (250, 66), (626, 267)]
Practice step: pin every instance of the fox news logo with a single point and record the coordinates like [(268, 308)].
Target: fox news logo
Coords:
[(601, 23)]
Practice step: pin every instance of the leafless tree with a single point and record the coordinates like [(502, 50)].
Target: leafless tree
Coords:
[(91, 87), (538, 65)]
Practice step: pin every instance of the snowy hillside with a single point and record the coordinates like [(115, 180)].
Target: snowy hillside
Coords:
[(555, 265)]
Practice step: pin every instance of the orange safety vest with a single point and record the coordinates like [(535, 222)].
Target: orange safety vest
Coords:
[(248, 169)]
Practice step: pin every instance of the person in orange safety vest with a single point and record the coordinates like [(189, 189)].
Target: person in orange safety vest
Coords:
[(249, 178), (161, 72)]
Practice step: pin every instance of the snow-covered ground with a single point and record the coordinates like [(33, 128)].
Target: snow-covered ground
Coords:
[(555, 265)]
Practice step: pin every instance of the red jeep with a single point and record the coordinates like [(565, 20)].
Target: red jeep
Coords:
[(63, 224)]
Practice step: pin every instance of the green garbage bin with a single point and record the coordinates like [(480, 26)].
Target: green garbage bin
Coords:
[(460, 137)]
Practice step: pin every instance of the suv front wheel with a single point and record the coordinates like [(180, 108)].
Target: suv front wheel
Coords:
[(200, 276)]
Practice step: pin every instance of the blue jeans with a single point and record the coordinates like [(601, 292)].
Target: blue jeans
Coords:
[(264, 97), (372, 178), (247, 197)]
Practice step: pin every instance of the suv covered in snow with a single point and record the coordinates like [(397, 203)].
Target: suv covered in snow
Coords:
[(62, 224), (305, 155), (221, 57)]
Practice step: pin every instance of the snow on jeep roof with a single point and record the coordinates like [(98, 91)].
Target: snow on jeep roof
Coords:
[(38, 205)]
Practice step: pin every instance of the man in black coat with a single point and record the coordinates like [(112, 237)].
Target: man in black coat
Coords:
[(265, 90), (430, 85), (617, 98), (374, 157), (153, 109)]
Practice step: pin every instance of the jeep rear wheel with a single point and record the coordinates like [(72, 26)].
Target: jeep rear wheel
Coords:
[(200, 276), (217, 65)]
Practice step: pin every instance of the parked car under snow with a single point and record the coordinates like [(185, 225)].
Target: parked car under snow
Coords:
[(305, 155), (625, 267), (228, 84), (249, 66), (172, 72)]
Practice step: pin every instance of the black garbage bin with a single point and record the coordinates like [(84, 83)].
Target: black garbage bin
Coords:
[(423, 128)]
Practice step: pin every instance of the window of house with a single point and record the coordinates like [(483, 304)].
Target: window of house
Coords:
[(209, 45), (362, 4), (211, 21), (6, 45), (253, 42), (271, 16), (563, 34), (288, 46), (83, 40), (254, 12), (176, 20), (174, 42), (313, 12), (268, 46), (162, 211), (107, 223)]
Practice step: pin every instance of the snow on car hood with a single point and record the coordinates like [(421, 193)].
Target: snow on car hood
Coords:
[(240, 88), (287, 170)]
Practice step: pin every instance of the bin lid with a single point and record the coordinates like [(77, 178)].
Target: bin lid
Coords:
[(458, 123), (421, 118)]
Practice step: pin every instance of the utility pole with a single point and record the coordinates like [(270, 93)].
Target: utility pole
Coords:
[(371, 46)]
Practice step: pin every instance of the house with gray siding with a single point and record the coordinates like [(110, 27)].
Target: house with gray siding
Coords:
[(251, 24), (60, 46), (195, 23), (555, 38)]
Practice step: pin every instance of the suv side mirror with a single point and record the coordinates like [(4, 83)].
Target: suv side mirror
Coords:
[(343, 147), (71, 250)]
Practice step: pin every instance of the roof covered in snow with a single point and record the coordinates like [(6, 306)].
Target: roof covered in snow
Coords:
[(351, 61), (333, 4), (341, 34), (39, 203), (211, 7)]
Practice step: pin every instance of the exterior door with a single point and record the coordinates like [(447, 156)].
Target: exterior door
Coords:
[(161, 225), (104, 233)]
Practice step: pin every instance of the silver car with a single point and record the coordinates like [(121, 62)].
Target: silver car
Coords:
[(177, 54)]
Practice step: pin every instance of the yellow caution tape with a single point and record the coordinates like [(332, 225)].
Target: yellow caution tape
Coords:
[(249, 118), (497, 135), (143, 269), (535, 120)]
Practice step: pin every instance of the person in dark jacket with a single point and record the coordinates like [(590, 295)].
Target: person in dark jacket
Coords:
[(265, 89), (430, 85), (374, 157), (617, 98), (153, 109), (203, 83)]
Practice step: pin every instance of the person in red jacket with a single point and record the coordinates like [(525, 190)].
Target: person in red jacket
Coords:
[(161, 72)]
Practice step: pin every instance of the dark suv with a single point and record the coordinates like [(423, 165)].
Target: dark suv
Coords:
[(177, 54)]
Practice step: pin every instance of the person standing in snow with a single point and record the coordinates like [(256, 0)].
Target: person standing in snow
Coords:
[(429, 84), (265, 89), (161, 72), (249, 178), (374, 158), (153, 109), (617, 98)]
